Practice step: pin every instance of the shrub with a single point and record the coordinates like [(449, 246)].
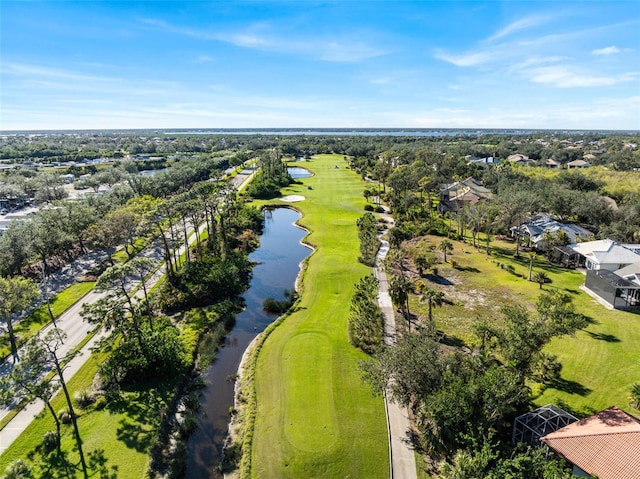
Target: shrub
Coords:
[(368, 208), (50, 441), (18, 469), (83, 398), (64, 416)]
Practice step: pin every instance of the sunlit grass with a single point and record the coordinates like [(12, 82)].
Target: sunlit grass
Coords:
[(41, 317), (315, 417), (599, 363), (124, 429)]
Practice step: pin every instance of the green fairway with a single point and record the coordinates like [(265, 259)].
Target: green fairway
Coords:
[(315, 418)]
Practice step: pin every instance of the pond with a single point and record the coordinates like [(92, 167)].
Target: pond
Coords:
[(278, 258), (298, 172)]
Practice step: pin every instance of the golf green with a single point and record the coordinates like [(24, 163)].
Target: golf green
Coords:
[(315, 417)]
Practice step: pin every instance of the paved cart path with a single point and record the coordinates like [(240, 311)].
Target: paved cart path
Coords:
[(403, 463)]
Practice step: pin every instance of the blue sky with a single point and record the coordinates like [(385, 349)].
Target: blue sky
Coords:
[(196, 64)]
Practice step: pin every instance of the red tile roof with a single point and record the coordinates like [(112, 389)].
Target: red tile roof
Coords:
[(606, 444)]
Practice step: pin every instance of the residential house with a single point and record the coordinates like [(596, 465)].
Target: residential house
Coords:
[(606, 254), (578, 164), (539, 227), (606, 445), (519, 159), (551, 163), (613, 271), (454, 196), (630, 273), (483, 162)]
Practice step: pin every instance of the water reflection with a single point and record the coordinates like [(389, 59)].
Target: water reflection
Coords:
[(278, 258)]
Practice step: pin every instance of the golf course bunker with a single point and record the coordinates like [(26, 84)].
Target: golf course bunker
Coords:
[(310, 418), (293, 198)]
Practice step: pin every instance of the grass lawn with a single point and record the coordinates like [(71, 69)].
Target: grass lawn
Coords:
[(315, 417), (124, 430), (40, 317), (599, 363)]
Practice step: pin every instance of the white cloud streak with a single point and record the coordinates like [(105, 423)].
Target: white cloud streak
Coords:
[(568, 77), (606, 51), (343, 50), (519, 25)]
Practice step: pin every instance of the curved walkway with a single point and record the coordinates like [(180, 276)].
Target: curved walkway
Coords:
[(403, 463)]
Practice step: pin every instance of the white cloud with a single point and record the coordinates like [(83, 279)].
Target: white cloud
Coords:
[(567, 77), (36, 71), (606, 51), (522, 24), (345, 49), (467, 59), (535, 61)]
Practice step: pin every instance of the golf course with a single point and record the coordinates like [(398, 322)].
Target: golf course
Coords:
[(315, 417)]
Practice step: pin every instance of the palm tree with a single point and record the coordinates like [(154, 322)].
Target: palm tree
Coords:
[(421, 263), (445, 245), (399, 289), (635, 395), (541, 278), (532, 257), (433, 298)]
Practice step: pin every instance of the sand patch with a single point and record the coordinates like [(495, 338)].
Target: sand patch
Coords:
[(293, 198)]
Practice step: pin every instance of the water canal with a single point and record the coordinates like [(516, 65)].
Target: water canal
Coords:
[(278, 258)]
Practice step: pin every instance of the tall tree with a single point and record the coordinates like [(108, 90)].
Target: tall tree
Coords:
[(28, 381), (46, 348), (521, 339), (16, 294), (365, 324)]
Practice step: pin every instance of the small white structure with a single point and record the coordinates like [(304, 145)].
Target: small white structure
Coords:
[(69, 178), (606, 254)]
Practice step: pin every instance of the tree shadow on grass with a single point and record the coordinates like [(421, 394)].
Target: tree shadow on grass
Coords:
[(571, 387), (469, 269), (56, 465), (584, 412), (144, 408), (434, 278), (609, 338)]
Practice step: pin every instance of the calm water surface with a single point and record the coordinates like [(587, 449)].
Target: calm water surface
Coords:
[(298, 172), (279, 257)]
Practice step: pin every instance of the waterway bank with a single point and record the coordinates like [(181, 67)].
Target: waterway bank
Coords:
[(278, 264)]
